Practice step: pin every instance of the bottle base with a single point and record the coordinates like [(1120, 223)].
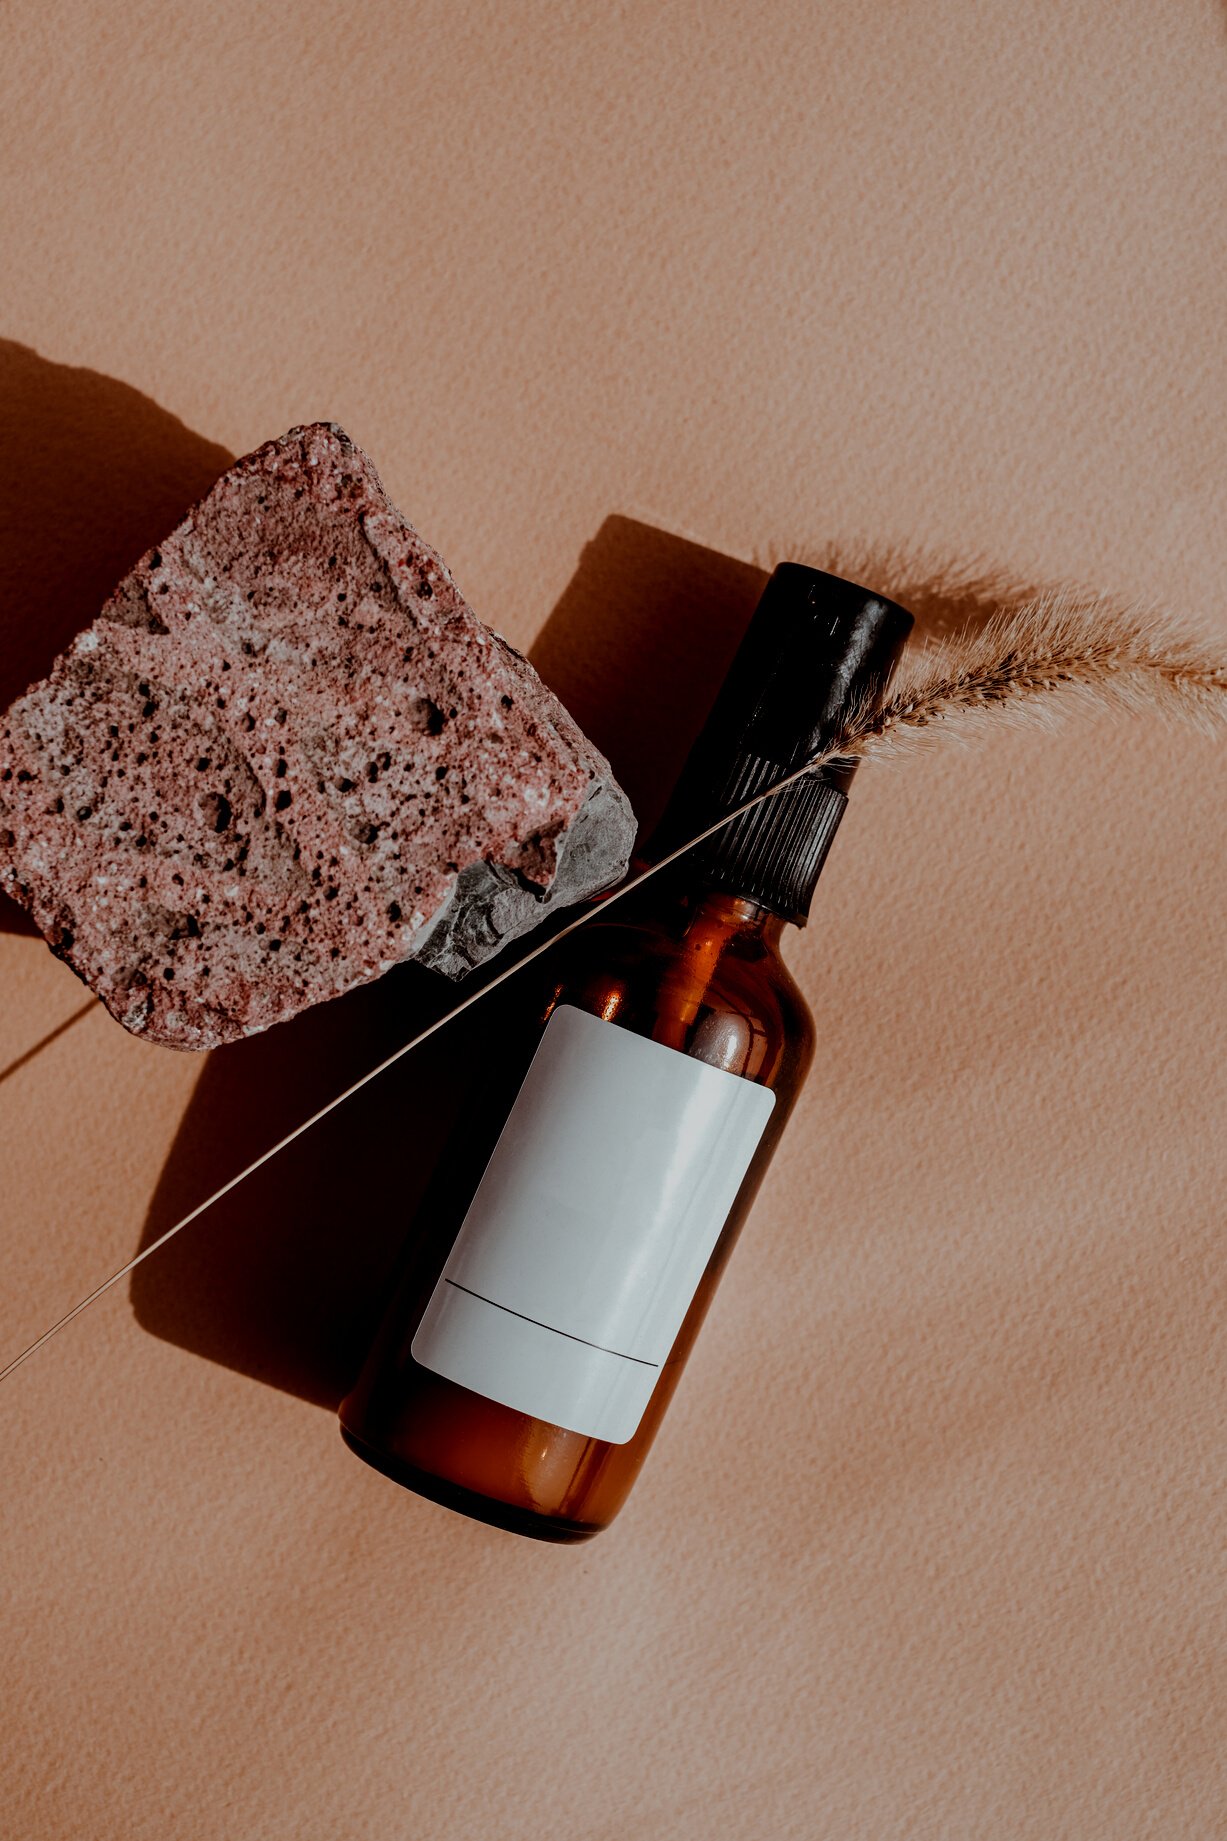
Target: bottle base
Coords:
[(505, 1515)]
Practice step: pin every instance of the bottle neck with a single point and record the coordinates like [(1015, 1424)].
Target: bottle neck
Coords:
[(699, 908)]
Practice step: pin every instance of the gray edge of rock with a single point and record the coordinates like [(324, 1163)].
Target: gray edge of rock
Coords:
[(490, 906)]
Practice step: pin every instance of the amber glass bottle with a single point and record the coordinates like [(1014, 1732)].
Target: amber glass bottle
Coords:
[(641, 1074)]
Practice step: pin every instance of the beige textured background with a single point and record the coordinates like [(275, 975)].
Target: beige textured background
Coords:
[(933, 1541)]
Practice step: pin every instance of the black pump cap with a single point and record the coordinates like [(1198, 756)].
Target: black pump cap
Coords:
[(816, 647)]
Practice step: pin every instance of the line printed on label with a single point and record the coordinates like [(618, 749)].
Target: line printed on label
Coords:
[(552, 1327)]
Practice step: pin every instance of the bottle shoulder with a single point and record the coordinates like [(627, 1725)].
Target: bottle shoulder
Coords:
[(726, 998)]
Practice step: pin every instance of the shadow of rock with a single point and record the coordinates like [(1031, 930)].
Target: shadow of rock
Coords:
[(284, 1278), (279, 1279), (92, 474)]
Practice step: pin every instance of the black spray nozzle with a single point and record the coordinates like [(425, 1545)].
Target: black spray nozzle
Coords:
[(817, 647)]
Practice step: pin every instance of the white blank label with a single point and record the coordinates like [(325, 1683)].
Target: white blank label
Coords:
[(591, 1227)]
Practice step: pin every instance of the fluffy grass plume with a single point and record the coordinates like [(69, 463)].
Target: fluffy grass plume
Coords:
[(1037, 664)]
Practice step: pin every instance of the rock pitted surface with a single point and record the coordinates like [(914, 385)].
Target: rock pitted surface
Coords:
[(286, 756)]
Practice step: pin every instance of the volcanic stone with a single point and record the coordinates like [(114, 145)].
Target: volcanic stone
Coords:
[(287, 755)]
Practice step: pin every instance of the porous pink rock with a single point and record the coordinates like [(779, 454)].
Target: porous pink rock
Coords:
[(287, 755)]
